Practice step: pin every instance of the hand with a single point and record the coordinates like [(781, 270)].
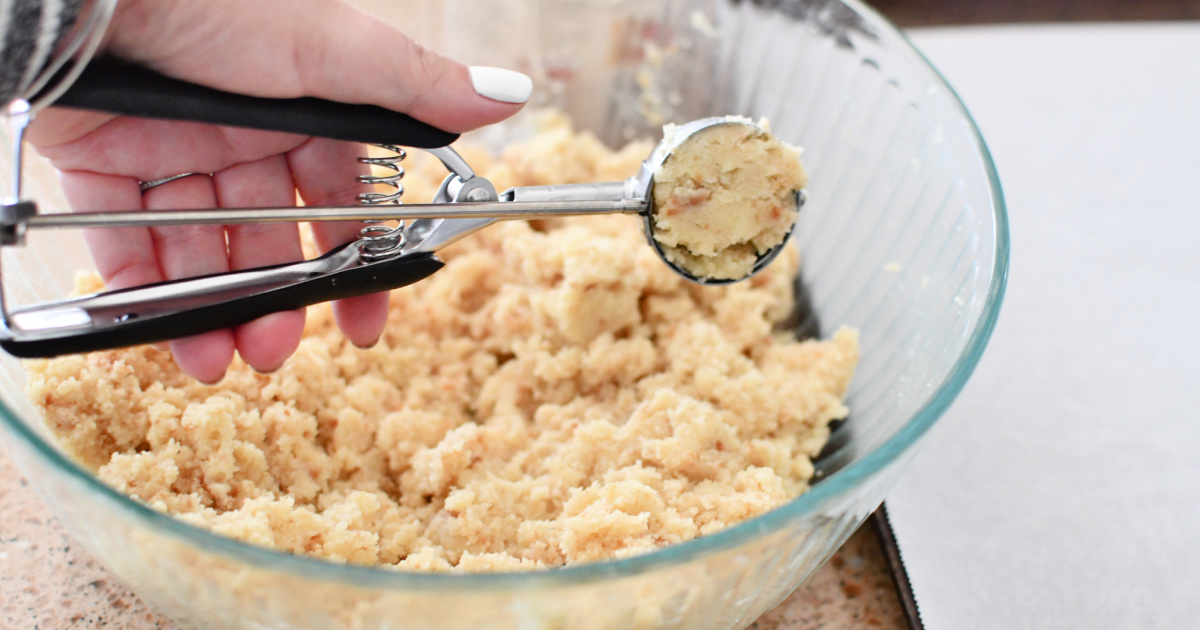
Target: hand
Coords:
[(268, 48)]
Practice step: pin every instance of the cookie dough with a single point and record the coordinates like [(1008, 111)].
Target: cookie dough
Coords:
[(555, 395), (725, 196)]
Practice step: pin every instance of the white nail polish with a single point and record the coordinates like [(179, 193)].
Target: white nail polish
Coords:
[(501, 85)]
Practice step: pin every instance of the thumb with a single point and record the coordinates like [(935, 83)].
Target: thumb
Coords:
[(321, 48)]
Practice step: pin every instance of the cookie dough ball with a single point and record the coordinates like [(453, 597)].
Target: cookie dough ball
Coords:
[(724, 197)]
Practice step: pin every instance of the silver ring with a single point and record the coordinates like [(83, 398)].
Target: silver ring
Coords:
[(154, 183)]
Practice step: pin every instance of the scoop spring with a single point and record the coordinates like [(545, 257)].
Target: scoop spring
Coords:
[(380, 241)]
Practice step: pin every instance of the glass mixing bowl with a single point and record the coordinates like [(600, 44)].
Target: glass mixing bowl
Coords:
[(904, 238)]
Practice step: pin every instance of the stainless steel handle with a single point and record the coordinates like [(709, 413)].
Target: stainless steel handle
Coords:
[(232, 216), (192, 306), (563, 193)]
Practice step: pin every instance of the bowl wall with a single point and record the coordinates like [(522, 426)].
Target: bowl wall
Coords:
[(904, 237)]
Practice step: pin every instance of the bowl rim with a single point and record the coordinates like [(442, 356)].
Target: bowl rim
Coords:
[(372, 577)]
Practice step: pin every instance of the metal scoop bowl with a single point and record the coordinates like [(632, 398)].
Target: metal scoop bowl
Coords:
[(638, 194)]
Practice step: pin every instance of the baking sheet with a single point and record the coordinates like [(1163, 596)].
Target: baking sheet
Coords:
[(1062, 490)]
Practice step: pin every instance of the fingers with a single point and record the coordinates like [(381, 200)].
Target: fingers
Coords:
[(265, 343), (324, 172), (412, 79), (186, 251), (151, 149), (323, 48), (56, 125), (125, 257)]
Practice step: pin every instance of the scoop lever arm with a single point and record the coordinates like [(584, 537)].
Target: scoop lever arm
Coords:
[(170, 310)]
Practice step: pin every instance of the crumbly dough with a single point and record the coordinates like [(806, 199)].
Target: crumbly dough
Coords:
[(555, 395), (725, 196)]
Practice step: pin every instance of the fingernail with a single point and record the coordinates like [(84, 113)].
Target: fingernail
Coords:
[(501, 85)]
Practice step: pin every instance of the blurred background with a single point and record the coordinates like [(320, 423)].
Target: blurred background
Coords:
[(952, 12), (946, 12), (563, 30)]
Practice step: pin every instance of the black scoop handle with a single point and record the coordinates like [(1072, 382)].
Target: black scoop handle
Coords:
[(372, 278), (118, 87)]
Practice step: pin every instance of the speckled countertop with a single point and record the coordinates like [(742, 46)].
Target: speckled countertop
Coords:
[(48, 582)]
